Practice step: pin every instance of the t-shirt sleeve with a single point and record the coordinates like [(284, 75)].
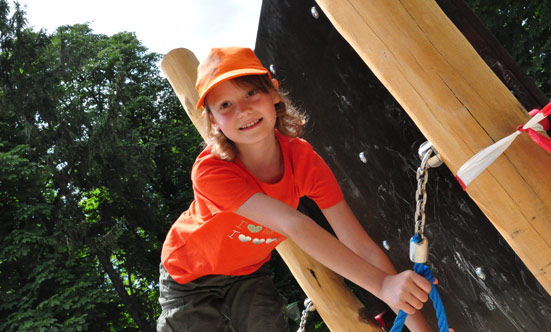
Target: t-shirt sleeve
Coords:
[(221, 186), (317, 180)]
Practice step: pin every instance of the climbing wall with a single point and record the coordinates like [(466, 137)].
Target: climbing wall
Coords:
[(371, 145)]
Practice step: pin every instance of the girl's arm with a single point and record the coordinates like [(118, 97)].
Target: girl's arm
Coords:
[(406, 291), (352, 234)]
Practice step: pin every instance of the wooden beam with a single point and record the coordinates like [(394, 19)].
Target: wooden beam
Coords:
[(461, 107), (334, 301), (180, 68), (494, 54)]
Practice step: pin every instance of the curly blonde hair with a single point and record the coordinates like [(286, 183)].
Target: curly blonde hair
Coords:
[(289, 120)]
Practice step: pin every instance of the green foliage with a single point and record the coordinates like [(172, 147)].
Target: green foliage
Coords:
[(95, 152), (95, 155), (523, 28)]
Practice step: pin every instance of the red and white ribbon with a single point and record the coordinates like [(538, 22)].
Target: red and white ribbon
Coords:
[(480, 161)]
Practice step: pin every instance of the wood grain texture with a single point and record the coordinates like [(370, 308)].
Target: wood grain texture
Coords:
[(461, 107)]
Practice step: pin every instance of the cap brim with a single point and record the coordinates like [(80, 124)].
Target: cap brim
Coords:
[(228, 76)]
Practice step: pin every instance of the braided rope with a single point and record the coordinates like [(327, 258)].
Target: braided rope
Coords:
[(419, 254), (426, 272)]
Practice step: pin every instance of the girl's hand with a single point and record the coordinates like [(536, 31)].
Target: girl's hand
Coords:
[(406, 291)]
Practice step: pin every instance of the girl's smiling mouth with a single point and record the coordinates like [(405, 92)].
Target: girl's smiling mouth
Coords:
[(251, 124)]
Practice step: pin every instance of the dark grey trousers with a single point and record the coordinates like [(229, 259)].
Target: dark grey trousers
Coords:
[(251, 303)]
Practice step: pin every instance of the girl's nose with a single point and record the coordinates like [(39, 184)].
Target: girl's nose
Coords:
[(242, 108)]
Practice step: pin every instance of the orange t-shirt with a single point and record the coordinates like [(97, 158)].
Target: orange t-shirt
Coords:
[(209, 238)]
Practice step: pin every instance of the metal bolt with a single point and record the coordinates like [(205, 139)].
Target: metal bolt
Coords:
[(272, 69), (309, 305), (435, 160), (480, 273), (386, 245), (315, 13), (363, 157)]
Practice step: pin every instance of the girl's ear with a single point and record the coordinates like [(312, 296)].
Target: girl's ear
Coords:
[(275, 83), (213, 123), (275, 94)]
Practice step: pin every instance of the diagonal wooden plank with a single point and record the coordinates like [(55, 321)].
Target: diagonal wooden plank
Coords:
[(461, 107)]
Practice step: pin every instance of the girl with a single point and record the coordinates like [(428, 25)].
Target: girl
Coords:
[(247, 184)]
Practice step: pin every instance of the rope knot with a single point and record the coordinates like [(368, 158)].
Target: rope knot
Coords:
[(425, 271)]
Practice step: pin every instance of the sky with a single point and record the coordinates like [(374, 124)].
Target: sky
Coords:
[(161, 25)]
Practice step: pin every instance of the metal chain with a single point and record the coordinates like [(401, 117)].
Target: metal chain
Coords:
[(421, 198), (421, 194), (309, 306)]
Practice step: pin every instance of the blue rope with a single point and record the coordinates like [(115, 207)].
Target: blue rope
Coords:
[(426, 272)]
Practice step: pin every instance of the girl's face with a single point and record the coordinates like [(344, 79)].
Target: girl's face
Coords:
[(244, 113)]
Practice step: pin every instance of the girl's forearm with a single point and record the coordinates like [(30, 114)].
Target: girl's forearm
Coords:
[(332, 253), (406, 290), (376, 256)]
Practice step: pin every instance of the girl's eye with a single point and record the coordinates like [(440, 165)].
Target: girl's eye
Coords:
[(252, 92), (224, 105)]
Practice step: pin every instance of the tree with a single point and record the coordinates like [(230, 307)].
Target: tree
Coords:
[(97, 151), (523, 28), (95, 154)]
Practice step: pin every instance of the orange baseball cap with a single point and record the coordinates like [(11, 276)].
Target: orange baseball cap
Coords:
[(223, 64)]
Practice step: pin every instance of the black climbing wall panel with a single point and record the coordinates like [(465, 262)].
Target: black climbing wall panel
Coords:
[(352, 113)]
